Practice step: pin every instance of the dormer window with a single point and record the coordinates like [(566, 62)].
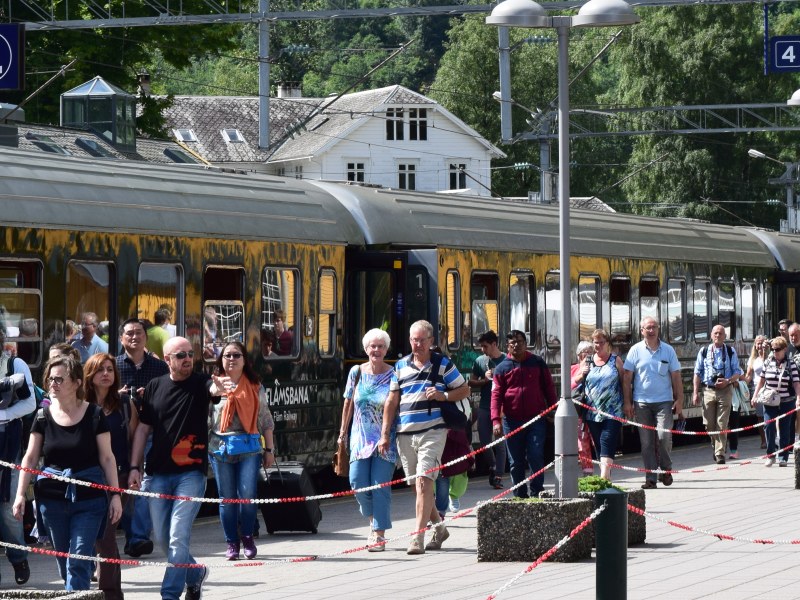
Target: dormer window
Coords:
[(232, 136), (184, 135)]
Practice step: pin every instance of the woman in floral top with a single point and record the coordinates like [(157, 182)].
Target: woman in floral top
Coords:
[(364, 396)]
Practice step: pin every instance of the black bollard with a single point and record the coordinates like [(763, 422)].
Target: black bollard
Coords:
[(611, 543)]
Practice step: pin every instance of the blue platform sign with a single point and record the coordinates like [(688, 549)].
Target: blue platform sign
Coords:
[(784, 52), (12, 57)]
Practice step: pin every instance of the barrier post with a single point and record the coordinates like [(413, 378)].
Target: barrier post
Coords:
[(611, 543)]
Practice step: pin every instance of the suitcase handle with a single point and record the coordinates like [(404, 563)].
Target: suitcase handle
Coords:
[(263, 471)]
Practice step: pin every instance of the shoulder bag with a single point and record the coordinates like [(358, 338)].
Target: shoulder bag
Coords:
[(767, 396)]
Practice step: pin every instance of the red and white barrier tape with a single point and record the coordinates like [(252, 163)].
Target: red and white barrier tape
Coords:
[(345, 493), (625, 421), (719, 536), (258, 563), (708, 470), (549, 553)]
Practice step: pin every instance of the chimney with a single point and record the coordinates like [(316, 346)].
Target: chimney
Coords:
[(289, 89), (144, 83)]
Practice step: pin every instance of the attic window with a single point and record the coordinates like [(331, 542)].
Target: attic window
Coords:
[(46, 144), (233, 136), (92, 148), (184, 135)]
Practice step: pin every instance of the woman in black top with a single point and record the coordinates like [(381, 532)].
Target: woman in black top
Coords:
[(72, 436), (101, 386)]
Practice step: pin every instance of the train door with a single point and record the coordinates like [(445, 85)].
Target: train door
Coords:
[(375, 297)]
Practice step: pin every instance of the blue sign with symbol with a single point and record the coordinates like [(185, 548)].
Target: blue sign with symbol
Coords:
[(784, 51), (12, 57)]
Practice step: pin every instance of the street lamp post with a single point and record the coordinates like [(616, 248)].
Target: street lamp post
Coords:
[(595, 13), (788, 179)]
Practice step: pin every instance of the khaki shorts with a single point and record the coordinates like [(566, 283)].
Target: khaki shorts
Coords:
[(422, 451)]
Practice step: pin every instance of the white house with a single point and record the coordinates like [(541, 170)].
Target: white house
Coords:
[(392, 137)]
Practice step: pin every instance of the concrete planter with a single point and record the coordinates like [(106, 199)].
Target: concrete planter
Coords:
[(523, 531), (62, 595), (637, 524)]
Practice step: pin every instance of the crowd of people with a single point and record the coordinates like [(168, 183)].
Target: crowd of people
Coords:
[(153, 423)]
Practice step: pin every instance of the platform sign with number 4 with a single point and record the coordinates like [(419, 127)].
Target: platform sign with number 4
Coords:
[(784, 53)]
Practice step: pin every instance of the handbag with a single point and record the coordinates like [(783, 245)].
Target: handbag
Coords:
[(768, 396), (341, 460), (238, 443)]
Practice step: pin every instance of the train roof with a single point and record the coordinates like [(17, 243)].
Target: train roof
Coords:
[(187, 200), (399, 218), (784, 246)]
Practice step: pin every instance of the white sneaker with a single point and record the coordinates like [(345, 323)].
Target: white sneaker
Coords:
[(769, 462)]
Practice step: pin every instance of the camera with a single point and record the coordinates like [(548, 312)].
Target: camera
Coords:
[(8, 389), (717, 375)]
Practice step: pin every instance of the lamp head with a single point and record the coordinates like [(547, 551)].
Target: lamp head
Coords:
[(753, 153), (605, 13), (519, 13), (795, 99)]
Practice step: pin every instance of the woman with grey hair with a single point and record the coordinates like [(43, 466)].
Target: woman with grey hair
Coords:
[(583, 351), (364, 397)]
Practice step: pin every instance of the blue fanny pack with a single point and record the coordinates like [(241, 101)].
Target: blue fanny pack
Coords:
[(238, 443)]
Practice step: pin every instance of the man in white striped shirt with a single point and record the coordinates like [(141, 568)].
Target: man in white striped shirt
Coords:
[(421, 381)]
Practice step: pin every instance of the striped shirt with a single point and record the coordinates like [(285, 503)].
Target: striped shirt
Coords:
[(784, 384), (416, 412)]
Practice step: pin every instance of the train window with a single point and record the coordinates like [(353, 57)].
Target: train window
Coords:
[(453, 310), (702, 310), (90, 288), (160, 286), (21, 309), (369, 305), (727, 308), (522, 305), (648, 299), (749, 304), (588, 305), (766, 326), (280, 303), (223, 309), (483, 290), (676, 310), (326, 328), (552, 309), (619, 295)]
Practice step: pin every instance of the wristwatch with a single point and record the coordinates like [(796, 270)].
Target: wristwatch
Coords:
[(268, 450), (446, 397), (134, 468)]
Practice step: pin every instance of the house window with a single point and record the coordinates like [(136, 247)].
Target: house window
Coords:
[(280, 171), (184, 135), (407, 177), (418, 124), (355, 171), (298, 172), (458, 176), (394, 123), (232, 136)]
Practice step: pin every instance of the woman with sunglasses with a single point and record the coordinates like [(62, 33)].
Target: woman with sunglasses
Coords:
[(239, 420), (101, 386), (73, 437), (780, 374)]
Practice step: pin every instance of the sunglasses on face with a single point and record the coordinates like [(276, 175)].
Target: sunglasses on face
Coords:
[(55, 380), (232, 356), (181, 355)]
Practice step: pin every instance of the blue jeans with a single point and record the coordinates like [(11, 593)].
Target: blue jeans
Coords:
[(786, 428), (527, 443), (11, 530), (377, 504), (655, 414), (73, 528), (605, 435), (237, 479), (141, 523), (496, 457), (172, 527)]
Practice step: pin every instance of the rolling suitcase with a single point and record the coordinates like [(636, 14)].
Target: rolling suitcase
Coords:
[(288, 480)]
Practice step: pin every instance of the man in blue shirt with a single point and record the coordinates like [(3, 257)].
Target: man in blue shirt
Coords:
[(89, 343), (652, 379), (716, 368)]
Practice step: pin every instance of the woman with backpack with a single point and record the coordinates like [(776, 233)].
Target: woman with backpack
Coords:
[(603, 376), (101, 384)]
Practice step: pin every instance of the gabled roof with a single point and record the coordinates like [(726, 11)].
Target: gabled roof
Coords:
[(207, 116), (339, 119)]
